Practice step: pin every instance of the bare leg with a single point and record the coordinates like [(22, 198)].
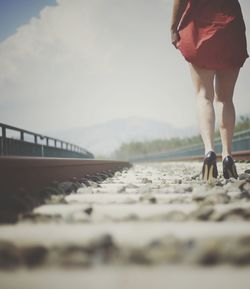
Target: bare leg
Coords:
[(224, 88), (203, 80)]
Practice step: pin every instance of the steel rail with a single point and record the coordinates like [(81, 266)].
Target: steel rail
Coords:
[(26, 182), (30, 174)]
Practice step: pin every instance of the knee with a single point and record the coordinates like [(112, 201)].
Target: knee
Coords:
[(205, 95), (222, 98)]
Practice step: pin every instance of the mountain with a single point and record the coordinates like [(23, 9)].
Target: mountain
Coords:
[(104, 138)]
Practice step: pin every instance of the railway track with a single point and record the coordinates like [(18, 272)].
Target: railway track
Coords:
[(145, 225), (26, 182)]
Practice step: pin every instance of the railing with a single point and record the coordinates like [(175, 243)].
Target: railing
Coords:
[(19, 142), (241, 142)]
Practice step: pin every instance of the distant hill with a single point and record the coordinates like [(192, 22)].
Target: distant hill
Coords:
[(104, 138)]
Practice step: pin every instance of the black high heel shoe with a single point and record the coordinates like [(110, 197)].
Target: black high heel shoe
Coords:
[(209, 168), (229, 168)]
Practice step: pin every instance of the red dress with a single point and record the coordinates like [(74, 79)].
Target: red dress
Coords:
[(212, 34)]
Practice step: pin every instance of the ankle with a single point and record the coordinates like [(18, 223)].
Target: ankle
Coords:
[(209, 150), (226, 154)]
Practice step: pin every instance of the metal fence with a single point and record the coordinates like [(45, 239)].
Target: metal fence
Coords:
[(241, 142), (19, 142)]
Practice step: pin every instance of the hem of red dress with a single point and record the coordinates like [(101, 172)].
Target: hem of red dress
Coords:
[(219, 67)]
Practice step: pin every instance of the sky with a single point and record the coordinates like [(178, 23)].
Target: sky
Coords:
[(14, 13), (75, 63)]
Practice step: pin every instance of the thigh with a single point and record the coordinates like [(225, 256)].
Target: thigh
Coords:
[(203, 80), (225, 81)]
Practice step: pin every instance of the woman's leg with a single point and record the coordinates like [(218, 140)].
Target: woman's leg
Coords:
[(224, 88), (203, 80)]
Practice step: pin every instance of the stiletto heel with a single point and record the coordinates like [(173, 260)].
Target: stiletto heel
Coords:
[(229, 168), (209, 168)]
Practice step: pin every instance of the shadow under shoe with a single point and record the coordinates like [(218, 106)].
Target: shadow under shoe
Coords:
[(229, 168), (209, 168)]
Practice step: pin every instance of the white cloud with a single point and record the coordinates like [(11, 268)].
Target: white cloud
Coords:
[(87, 61), (51, 66)]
